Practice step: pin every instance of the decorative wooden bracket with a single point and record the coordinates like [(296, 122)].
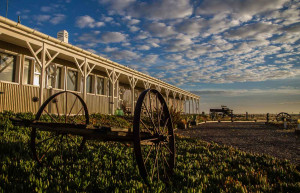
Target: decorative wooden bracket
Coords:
[(36, 53), (167, 92), (180, 96), (113, 75), (79, 65), (147, 85), (90, 68), (132, 81), (174, 94), (158, 88), (51, 58)]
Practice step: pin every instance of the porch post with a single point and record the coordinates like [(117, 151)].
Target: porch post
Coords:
[(42, 77), (132, 82)]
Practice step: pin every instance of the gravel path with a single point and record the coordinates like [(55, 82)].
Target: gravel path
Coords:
[(251, 137)]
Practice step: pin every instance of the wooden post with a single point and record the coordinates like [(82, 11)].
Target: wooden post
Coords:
[(184, 98), (167, 95), (189, 105), (174, 100), (84, 78), (132, 82), (180, 102), (199, 105), (42, 77), (113, 77)]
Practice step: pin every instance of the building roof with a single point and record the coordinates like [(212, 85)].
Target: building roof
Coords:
[(32, 33)]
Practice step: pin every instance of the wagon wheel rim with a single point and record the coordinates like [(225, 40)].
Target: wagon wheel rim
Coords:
[(154, 142), (281, 116), (55, 147)]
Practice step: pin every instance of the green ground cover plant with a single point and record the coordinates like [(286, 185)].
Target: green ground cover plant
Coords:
[(110, 167)]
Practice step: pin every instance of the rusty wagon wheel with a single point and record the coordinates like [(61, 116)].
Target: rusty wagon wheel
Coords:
[(61, 110), (154, 142), (281, 116)]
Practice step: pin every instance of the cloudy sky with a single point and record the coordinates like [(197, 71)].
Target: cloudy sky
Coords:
[(240, 53)]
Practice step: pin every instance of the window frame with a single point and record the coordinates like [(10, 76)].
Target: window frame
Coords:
[(78, 89), (31, 73), (104, 83), (17, 67), (93, 84), (61, 80)]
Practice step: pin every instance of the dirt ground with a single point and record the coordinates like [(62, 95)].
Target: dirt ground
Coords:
[(255, 137)]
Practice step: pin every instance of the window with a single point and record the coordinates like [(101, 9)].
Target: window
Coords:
[(100, 85), (58, 78), (50, 76), (109, 90), (89, 84), (54, 76), (72, 80), (36, 74), (27, 75), (7, 67)]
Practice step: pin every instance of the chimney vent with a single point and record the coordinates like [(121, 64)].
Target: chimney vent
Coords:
[(63, 36)]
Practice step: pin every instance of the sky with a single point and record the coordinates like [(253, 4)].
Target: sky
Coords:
[(240, 53)]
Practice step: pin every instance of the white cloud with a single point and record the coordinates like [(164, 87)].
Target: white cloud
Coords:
[(117, 5), (41, 18), (109, 37), (191, 26), (254, 31), (88, 21), (110, 49), (143, 47), (157, 9), (124, 55), (178, 43), (174, 57), (160, 29), (134, 28), (58, 18), (46, 9), (242, 10), (150, 59), (162, 9)]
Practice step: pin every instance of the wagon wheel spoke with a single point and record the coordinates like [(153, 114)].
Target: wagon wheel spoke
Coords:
[(40, 159), (165, 171), (148, 154), (151, 111), (74, 118), (167, 148), (154, 166), (59, 145), (56, 105), (150, 115), (45, 140), (165, 126), (72, 106), (50, 116), (157, 114), (146, 126)]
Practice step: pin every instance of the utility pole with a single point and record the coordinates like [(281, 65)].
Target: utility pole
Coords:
[(6, 7)]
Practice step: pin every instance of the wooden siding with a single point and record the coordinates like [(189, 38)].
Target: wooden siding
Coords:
[(18, 98), (97, 103)]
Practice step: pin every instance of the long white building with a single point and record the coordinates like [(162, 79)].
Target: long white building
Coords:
[(35, 65)]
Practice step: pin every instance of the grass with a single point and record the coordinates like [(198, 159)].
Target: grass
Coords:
[(110, 167)]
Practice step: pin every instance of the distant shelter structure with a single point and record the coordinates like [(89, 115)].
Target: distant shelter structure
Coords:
[(34, 66), (223, 111)]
